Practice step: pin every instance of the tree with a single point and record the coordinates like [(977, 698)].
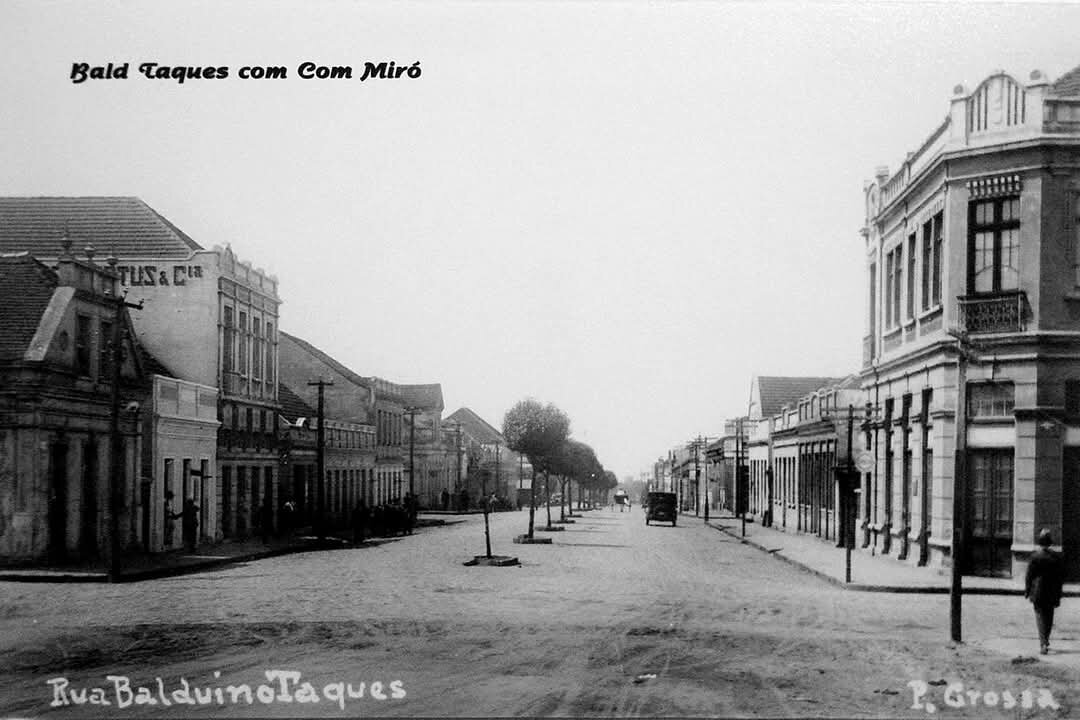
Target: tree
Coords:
[(536, 431)]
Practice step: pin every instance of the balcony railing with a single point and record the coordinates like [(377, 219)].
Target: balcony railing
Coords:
[(998, 313)]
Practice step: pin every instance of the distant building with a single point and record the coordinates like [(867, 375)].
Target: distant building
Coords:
[(489, 463), (976, 235), (349, 409)]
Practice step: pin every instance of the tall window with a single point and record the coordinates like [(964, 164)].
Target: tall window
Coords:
[(899, 284), (911, 277), (938, 235), (888, 290), (105, 351), (1076, 232), (243, 344), (228, 350), (269, 358), (82, 345), (931, 262), (257, 348), (994, 245), (873, 300)]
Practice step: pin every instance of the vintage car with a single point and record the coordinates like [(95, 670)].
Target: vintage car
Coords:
[(660, 506)]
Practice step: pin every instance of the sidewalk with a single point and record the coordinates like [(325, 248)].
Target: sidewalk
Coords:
[(158, 565), (869, 573)]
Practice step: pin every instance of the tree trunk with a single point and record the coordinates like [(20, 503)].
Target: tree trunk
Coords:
[(547, 492), (532, 504)]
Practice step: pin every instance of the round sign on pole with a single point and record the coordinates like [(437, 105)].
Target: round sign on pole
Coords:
[(864, 461)]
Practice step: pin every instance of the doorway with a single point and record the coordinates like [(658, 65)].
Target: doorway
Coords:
[(990, 526)]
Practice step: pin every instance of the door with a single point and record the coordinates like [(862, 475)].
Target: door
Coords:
[(925, 507), (990, 494), (58, 495), (88, 528)]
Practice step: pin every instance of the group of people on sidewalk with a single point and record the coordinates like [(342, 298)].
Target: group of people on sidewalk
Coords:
[(397, 517)]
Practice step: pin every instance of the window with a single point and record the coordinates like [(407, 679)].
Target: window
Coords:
[(994, 245), (935, 288), (873, 299), (990, 400), (911, 277), (888, 289), (228, 350), (257, 348), (1072, 398), (82, 345), (243, 344), (269, 357), (105, 351), (1076, 233), (899, 281)]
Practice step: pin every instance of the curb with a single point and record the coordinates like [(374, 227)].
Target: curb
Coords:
[(865, 587), (164, 572)]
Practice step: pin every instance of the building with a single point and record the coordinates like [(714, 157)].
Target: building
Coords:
[(57, 365), (214, 317), (489, 464), (796, 454), (971, 357), (349, 411)]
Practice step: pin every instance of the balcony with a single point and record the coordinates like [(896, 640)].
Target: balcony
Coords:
[(1002, 312)]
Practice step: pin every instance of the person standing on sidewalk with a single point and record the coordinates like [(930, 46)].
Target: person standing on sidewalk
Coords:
[(1042, 586), (189, 521)]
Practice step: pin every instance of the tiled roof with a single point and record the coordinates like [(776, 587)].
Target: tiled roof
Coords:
[(1068, 85), (775, 392), (475, 426), (293, 406), (312, 350), (26, 286), (423, 396), (124, 226)]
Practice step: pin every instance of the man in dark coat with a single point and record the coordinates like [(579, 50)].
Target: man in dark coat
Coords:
[(1042, 586)]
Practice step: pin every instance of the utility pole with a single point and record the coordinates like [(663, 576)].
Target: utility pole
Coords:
[(411, 412), (741, 487), (956, 590), (320, 462), (116, 462)]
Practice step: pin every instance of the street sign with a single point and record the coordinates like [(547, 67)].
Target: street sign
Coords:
[(864, 461)]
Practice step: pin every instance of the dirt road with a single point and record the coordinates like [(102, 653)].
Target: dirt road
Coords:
[(613, 619)]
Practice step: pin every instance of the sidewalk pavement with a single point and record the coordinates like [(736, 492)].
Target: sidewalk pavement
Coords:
[(148, 566), (886, 574), (869, 572)]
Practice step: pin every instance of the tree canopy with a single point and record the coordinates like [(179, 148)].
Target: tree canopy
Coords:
[(536, 431)]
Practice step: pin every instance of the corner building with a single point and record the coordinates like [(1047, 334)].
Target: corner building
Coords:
[(210, 318), (973, 293)]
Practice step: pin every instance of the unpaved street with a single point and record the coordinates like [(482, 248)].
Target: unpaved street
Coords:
[(614, 618)]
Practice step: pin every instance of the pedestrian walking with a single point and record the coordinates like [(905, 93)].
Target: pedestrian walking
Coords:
[(445, 499), (1042, 586), (189, 521)]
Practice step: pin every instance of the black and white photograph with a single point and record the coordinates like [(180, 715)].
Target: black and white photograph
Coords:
[(552, 358)]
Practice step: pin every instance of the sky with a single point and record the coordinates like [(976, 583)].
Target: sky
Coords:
[(625, 209)]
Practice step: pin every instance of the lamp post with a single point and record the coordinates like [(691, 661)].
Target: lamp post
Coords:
[(320, 458)]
